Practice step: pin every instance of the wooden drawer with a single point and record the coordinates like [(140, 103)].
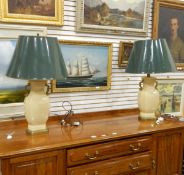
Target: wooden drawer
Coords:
[(127, 164), (106, 150)]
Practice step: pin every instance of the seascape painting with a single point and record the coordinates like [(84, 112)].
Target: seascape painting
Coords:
[(113, 16), (11, 90), (87, 66)]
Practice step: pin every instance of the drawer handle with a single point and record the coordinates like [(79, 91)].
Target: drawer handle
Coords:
[(95, 173), (134, 166), (93, 156), (153, 164), (135, 147)]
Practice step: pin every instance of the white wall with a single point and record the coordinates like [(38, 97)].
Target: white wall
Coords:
[(124, 87)]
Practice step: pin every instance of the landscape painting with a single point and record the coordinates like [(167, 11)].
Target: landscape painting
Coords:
[(33, 11), (170, 95), (11, 90), (88, 65), (113, 15), (32, 7)]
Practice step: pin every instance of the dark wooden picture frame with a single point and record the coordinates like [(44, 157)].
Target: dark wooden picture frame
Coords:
[(168, 24), (124, 53)]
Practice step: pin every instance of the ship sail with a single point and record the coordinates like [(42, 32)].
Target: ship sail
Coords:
[(93, 69), (80, 68), (68, 67), (84, 67), (75, 69)]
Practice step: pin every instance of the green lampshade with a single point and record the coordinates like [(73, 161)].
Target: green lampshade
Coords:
[(150, 56), (37, 58)]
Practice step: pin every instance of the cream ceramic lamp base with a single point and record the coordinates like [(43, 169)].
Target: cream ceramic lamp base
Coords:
[(37, 107), (148, 98)]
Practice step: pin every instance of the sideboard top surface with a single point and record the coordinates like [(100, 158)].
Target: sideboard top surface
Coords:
[(96, 127)]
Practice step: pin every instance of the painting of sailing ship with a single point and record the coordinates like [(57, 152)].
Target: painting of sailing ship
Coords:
[(113, 15), (81, 69), (88, 66), (11, 90)]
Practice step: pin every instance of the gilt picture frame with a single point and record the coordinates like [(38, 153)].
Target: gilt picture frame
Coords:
[(170, 14), (11, 90), (11, 109), (88, 65), (171, 98), (45, 12), (113, 17), (124, 53)]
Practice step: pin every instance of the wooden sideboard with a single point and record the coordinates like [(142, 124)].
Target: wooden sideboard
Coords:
[(107, 143)]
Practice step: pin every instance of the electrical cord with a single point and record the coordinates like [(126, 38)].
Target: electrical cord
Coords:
[(69, 115)]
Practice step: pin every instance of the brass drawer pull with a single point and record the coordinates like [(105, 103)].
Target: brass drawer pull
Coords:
[(153, 164), (93, 156), (135, 147), (134, 166), (95, 173)]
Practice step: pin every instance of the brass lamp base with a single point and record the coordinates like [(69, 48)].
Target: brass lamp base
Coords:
[(28, 131), (147, 116)]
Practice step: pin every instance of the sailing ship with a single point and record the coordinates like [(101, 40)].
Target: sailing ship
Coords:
[(80, 68)]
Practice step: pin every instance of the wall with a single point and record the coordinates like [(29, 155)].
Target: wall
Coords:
[(124, 87)]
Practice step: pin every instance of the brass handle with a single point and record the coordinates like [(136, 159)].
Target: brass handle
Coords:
[(47, 88), (153, 164), (135, 147), (156, 84), (27, 88), (95, 173), (134, 166), (141, 85), (93, 156)]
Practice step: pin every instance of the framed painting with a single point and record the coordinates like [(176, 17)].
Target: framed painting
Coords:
[(170, 14), (88, 65), (11, 90), (44, 12), (125, 49), (171, 100), (129, 17)]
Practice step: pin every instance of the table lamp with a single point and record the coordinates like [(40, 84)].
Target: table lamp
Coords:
[(147, 57), (37, 59)]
